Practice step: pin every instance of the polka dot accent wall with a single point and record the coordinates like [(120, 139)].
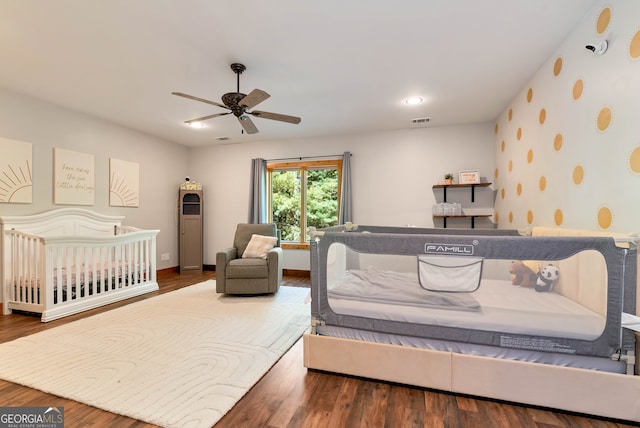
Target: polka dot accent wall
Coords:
[(603, 20), (557, 218), (557, 67), (604, 119), (578, 87), (557, 142), (567, 147), (634, 47), (578, 174), (634, 161)]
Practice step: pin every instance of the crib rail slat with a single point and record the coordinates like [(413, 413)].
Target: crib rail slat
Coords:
[(23, 271)]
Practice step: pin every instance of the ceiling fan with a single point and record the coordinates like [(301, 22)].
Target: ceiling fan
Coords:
[(239, 104)]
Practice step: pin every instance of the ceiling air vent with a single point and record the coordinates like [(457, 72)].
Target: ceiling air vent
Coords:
[(222, 138), (421, 120)]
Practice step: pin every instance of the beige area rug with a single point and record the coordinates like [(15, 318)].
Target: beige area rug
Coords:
[(181, 359)]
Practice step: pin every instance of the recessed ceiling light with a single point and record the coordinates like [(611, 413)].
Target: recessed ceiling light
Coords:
[(413, 100), (196, 124)]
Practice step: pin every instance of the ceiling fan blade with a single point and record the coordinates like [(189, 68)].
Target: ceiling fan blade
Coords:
[(254, 98), (200, 119), (247, 125), (276, 116), (202, 100)]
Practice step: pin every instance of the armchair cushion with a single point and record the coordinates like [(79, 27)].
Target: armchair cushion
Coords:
[(245, 231), (259, 246)]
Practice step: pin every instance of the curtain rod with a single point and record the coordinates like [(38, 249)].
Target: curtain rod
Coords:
[(306, 157)]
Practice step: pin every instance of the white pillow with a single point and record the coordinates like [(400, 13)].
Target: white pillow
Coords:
[(259, 246)]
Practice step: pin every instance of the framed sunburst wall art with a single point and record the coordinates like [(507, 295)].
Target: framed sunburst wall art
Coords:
[(16, 174), (124, 183), (73, 177)]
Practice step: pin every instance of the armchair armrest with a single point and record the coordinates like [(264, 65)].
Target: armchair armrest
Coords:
[(222, 259), (274, 261)]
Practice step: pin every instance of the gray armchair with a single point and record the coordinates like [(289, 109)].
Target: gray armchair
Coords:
[(237, 275)]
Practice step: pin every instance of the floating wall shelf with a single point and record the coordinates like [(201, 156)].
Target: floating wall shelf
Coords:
[(473, 217)]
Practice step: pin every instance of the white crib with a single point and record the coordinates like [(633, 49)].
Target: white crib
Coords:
[(61, 262)]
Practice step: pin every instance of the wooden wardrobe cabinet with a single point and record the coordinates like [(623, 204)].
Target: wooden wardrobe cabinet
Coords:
[(190, 230)]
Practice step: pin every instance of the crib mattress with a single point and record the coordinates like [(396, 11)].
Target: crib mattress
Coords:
[(84, 274), (503, 307)]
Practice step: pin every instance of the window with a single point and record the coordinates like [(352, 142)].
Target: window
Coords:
[(303, 194)]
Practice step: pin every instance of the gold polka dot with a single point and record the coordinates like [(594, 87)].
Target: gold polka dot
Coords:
[(502, 193), (530, 217), (496, 129), (496, 173), (557, 217), (634, 160), (519, 134), (634, 47), (529, 95), (519, 189), (578, 87), (510, 114), (542, 116), (605, 218), (510, 216), (557, 142), (557, 66), (578, 174), (497, 217), (530, 156), (510, 166), (543, 183), (603, 20), (502, 146), (604, 118)]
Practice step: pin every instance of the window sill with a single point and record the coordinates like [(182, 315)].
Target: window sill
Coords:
[(294, 246)]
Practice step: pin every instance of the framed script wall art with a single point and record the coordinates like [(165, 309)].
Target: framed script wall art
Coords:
[(16, 173), (73, 177), (469, 177)]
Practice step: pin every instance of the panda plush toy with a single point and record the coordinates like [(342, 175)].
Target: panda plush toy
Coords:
[(547, 277)]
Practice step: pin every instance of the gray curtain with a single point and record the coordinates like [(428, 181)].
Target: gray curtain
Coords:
[(258, 201), (346, 204)]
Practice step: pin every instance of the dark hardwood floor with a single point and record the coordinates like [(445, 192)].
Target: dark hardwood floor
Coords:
[(289, 395)]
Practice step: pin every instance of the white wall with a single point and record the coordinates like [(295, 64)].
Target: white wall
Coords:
[(392, 176), (163, 164), (569, 166)]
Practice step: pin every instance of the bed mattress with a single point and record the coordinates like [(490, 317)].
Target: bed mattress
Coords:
[(500, 306)]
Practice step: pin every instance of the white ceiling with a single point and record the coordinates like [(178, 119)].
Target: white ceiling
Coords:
[(343, 66)]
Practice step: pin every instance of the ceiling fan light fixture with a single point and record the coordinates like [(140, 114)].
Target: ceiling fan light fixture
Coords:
[(413, 100), (239, 105)]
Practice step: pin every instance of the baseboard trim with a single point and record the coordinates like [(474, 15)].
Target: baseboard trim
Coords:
[(296, 272), (167, 271)]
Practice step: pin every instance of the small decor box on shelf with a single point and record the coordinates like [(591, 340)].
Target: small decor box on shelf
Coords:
[(469, 177)]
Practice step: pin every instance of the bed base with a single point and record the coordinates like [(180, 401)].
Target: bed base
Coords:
[(583, 391)]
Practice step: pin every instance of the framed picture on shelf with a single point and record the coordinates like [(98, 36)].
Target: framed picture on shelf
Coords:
[(469, 177)]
